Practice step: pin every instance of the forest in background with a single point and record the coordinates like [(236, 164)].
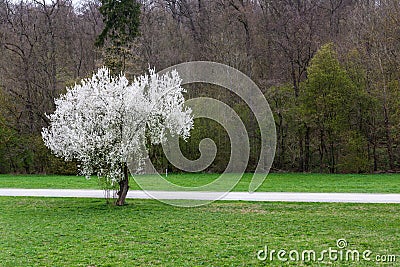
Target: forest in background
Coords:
[(330, 70)]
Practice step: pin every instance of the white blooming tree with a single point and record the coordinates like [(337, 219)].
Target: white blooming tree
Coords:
[(104, 121)]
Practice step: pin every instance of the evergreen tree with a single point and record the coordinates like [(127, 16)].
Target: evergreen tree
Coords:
[(121, 27)]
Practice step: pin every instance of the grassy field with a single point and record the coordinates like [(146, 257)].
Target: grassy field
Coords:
[(87, 232), (275, 182)]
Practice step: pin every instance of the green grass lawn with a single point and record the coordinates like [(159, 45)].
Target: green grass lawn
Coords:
[(275, 182), (88, 232)]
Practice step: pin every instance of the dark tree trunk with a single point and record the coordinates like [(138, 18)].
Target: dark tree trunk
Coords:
[(123, 187), (301, 159), (307, 150), (321, 151), (280, 141), (332, 167), (294, 80), (375, 157), (389, 142)]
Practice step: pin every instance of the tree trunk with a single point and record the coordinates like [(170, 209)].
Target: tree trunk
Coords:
[(123, 187), (332, 167), (280, 141), (389, 142), (375, 157), (301, 159), (294, 80), (307, 150), (321, 151)]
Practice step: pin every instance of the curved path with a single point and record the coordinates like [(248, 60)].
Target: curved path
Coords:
[(245, 196)]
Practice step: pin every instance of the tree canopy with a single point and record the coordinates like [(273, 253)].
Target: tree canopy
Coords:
[(121, 21)]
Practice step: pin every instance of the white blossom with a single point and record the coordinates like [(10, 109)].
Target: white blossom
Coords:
[(105, 120)]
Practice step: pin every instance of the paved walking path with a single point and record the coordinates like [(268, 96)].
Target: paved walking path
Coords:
[(245, 196)]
